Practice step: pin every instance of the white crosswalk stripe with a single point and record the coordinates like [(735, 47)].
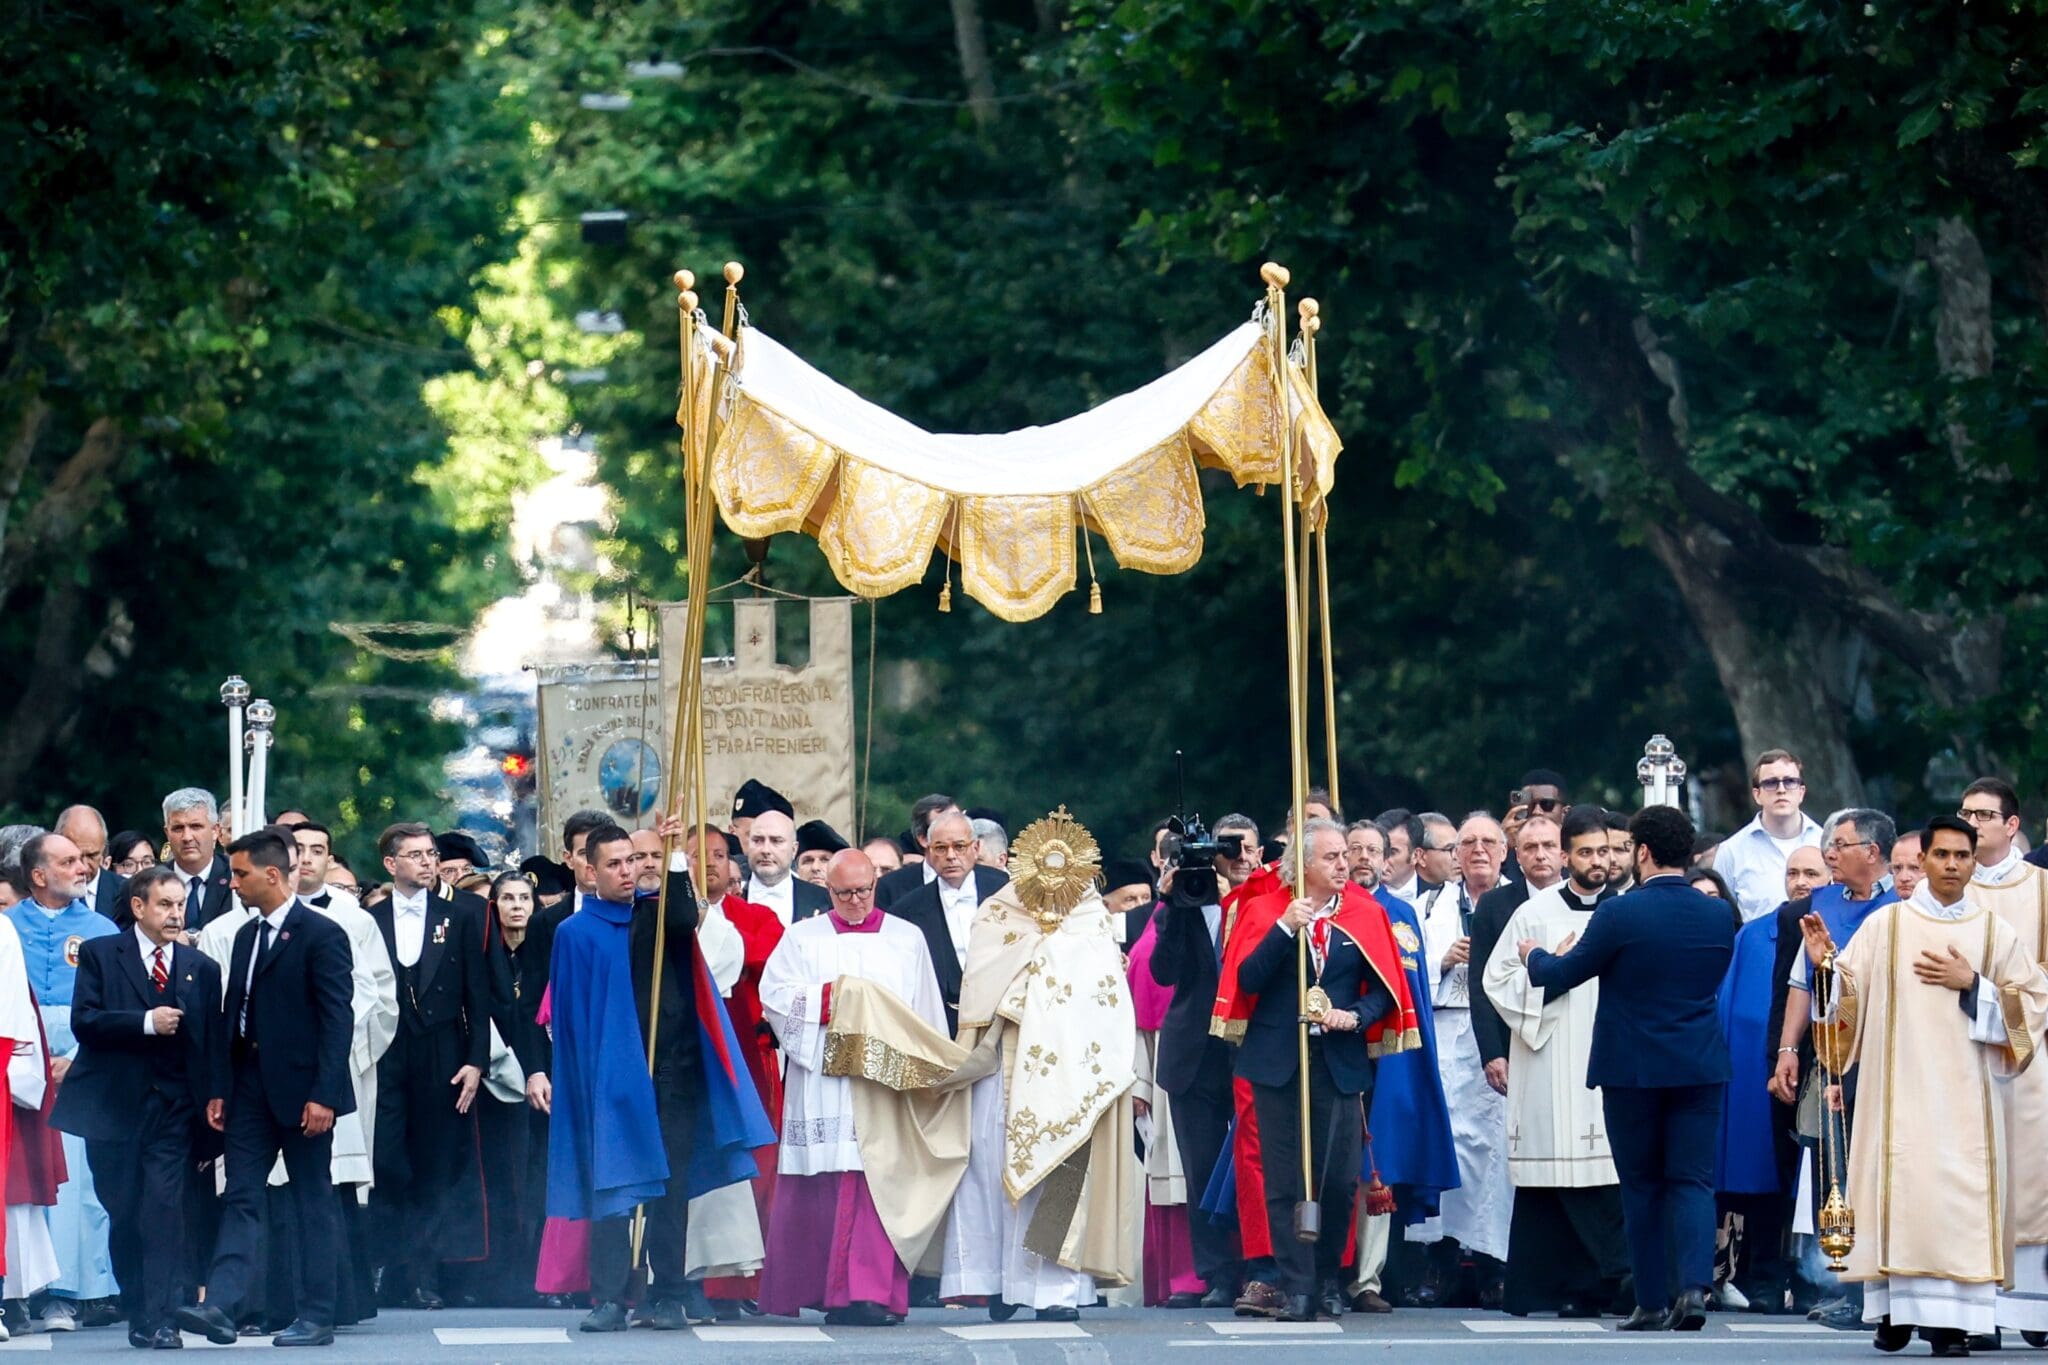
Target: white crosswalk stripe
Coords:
[(1017, 1331), (763, 1336), (1259, 1327), (502, 1336), (1508, 1327)]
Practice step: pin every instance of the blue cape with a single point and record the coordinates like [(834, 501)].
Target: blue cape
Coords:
[(1745, 1162), (730, 1121), (604, 1140), (1410, 1122)]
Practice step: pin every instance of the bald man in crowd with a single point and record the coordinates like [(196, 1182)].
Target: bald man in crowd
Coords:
[(771, 856)]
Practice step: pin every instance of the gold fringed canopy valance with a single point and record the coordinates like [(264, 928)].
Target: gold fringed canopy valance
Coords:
[(796, 451)]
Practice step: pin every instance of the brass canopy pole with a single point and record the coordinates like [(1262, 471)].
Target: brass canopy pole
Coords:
[(1307, 1213), (1311, 324)]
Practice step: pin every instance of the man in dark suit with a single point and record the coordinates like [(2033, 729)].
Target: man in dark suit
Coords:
[(192, 825), (774, 885), (910, 876), (944, 907), (87, 828), (288, 1014), (152, 1057), (426, 1200), (1194, 1066), (1540, 852), (1659, 1059), (1340, 1066)]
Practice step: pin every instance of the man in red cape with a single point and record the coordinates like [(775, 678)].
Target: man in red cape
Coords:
[(1358, 964)]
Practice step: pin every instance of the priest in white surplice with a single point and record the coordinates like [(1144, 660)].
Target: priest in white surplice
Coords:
[(1937, 995), (1476, 1214), (1566, 1249), (827, 1245), (1044, 986), (2017, 892)]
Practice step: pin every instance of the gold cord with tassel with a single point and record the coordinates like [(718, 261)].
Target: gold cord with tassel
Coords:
[(1088, 549)]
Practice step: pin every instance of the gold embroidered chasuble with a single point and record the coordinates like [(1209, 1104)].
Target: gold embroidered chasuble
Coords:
[(1927, 1167), (2022, 902), (1054, 1009)]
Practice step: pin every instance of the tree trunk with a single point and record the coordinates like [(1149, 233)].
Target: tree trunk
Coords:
[(972, 39), (1790, 673)]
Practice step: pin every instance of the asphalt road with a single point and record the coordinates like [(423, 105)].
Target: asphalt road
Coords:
[(1136, 1336)]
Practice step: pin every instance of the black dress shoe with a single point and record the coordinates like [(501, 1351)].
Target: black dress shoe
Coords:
[(1059, 1313), (1888, 1338), (862, 1313), (207, 1321), (609, 1316), (1985, 1341), (666, 1315), (426, 1298), (1000, 1310), (751, 1307), (1689, 1313), (140, 1340), (304, 1333), (1300, 1308), (1646, 1320), (1946, 1342), (1369, 1301), (165, 1338), (1332, 1302), (1219, 1296), (1183, 1299)]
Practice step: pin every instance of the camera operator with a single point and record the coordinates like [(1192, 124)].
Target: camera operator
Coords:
[(1194, 1067)]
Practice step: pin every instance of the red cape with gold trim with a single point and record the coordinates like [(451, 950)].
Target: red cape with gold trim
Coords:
[(1360, 919)]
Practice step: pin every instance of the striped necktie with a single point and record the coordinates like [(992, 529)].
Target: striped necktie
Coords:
[(159, 973)]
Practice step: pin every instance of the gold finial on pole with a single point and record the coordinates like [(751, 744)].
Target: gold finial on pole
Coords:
[(1276, 276), (686, 279), (734, 273)]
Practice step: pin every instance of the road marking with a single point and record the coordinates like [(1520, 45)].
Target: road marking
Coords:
[(1017, 1331), (764, 1336), (1513, 1327), (194, 1339), (1783, 1329), (502, 1336), (1255, 1327), (26, 1343)]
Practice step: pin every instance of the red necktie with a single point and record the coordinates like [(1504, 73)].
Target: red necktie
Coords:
[(160, 974), (1319, 936)]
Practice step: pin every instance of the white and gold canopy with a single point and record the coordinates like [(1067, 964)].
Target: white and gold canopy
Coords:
[(797, 451)]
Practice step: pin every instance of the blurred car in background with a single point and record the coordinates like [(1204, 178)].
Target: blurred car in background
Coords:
[(492, 783)]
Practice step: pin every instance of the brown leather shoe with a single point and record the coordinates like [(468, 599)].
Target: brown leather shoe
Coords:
[(1369, 1301), (1261, 1300)]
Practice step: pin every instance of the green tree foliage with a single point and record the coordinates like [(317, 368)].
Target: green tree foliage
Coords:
[(979, 263), (237, 243)]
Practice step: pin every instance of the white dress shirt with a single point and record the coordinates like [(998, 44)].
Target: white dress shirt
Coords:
[(275, 919), (958, 903), (781, 897), (408, 926), (1753, 863), (149, 952)]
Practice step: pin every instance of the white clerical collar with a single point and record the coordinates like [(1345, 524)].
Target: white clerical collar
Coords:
[(1923, 900), (2002, 871)]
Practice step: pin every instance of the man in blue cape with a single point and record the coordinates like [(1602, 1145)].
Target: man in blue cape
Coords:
[(1410, 1158), (621, 1138)]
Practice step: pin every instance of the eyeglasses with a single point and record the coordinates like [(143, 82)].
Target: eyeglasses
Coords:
[(1840, 847), (950, 848), (128, 867), (1476, 842), (1980, 816), (1780, 784), (1546, 803), (417, 855), (852, 893)]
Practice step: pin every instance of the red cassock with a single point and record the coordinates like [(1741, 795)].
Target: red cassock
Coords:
[(1249, 913), (760, 931)]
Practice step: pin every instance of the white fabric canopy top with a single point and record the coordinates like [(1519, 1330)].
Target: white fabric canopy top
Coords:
[(801, 452)]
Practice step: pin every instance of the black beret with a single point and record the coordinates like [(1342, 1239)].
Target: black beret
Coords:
[(756, 799), (815, 836)]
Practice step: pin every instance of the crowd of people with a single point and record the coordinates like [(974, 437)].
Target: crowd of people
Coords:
[(1559, 1060)]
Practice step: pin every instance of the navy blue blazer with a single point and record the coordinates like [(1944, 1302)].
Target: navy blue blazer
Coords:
[(1270, 1051), (1660, 952)]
